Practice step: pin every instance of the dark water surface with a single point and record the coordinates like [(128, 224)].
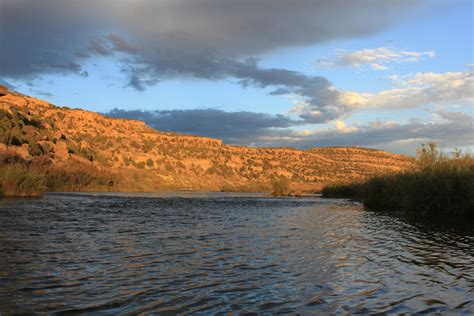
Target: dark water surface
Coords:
[(203, 254)]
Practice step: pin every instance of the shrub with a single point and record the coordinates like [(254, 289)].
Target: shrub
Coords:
[(148, 145), (135, 145), (126, 161), (169, 167), (281, 186), (139, 165), (74, 176), (440, 185), (350, 191), (17, 180), (149, 163)]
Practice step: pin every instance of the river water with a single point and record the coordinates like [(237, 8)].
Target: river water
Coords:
[(224, 253)]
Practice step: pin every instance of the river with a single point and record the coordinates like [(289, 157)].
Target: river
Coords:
[(199, 253)]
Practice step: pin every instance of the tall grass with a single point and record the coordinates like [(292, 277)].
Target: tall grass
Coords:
[(17, 180), (441, 184), (28, 178), (73, 176), (281, 186)]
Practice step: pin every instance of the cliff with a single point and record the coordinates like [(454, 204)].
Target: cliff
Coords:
[(119, 154)]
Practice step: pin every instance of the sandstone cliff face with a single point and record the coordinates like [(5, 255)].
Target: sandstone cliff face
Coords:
[(137, 157)]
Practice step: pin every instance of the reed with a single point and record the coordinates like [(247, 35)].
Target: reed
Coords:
[(441, 184), (16, 180), (30, 178), (281, 186)]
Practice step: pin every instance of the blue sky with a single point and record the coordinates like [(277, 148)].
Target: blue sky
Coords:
[(346, 64)]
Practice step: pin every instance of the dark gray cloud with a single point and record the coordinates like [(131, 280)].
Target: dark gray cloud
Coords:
[(207, 39), (138, 81), (119, 44), (107, 45), (43, 94), (249, 27), (40, 36), (232, 127), (321, 98), (453, 129), (98, 46)]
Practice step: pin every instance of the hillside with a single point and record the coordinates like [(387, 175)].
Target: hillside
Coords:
[(81, 150)]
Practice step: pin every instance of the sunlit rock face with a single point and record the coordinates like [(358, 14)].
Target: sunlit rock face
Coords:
[(142, 158)]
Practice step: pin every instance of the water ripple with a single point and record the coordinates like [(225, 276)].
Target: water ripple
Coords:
[(92, 254)]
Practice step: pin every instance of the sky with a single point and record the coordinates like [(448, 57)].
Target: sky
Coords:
[(305, 73)]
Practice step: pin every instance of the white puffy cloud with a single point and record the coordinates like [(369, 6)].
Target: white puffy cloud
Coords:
[(377, 58), (420, 89), (342, 127), (376, 66)]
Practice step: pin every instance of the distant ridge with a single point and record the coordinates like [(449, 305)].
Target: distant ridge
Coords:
[(127, 155)]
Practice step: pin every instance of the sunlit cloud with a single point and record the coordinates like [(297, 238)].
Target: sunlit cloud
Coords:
[(417, 90), (377, 59)]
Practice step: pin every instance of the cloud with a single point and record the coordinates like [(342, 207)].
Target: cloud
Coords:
[(377, 59), (317, 92), (451, 129), (154, 41), (341, 126), (376, 66), (413, 91), (455, 130), (39, 37), (158, 40), (450, 88), (43, 93), (246, 28), (232, 127), (51, 36)]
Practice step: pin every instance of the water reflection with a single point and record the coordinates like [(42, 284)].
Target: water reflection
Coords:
[(119, 254)]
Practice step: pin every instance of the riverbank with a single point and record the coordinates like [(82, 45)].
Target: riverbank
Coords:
[(441, 185), (17, 180), (20, 177)]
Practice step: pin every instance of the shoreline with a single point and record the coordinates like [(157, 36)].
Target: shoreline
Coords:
[(165, 193)]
